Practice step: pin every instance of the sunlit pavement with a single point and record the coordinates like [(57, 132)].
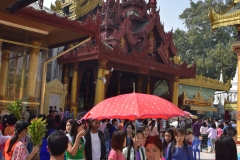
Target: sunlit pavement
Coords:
[(211, 156), (206, 156)]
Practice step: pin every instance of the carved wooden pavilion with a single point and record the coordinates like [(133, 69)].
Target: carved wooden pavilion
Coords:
[(27, 31), (132, 40), (230, 17)]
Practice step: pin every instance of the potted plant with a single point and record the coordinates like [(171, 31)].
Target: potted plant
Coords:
[(15, 108), (36, 131)]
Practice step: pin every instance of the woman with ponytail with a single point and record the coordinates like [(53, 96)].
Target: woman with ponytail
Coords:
[(135, 151), (75, 149), (14, 148)]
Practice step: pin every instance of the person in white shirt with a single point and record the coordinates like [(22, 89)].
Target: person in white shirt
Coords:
[(95, 148)]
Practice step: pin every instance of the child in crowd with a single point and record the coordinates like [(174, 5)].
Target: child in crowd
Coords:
[(167, 142), (145, 131), (118, 143), (135, 151), (189, 137), (180, 150)]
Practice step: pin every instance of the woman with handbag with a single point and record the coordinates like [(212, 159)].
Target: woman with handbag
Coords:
[(204, 136)]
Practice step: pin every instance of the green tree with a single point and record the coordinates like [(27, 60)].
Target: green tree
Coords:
[(211, 50)]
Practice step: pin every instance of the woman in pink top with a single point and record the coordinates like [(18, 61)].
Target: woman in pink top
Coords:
[(219, 130), (212, 135), (154, 148), (118, 143)]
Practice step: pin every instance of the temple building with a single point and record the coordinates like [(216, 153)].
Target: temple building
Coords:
[(132, 47), (27, 32), (198, 95), (230, 17), (226, 102)]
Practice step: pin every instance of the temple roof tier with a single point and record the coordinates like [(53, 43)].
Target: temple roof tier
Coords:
[(204, 82), (229, 17), (131, 34), (58, 29), (93, 51), (14, 5)]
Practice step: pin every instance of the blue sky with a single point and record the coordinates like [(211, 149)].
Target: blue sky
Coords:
[(169, 12)]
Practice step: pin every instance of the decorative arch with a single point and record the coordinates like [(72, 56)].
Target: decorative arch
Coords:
[(55, 87)]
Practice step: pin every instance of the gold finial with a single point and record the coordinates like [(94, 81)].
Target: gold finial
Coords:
[(122, 42), (177, 60), (56, 7), (151, 41)]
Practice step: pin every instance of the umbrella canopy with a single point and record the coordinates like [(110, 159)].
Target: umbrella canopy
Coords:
[(187, 114), (134, 106)]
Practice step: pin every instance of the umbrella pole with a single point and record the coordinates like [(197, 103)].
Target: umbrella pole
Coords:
[(134, 89), (135, 126)]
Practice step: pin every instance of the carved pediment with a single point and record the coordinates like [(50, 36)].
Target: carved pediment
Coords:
[(197, 100)]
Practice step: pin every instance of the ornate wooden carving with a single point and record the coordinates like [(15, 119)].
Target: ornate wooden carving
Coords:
[(132, 26)]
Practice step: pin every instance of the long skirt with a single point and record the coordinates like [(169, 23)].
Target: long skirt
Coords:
[(204, 141)]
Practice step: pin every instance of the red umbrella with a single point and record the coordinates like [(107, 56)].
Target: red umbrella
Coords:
[(134, 106), (187, 114)]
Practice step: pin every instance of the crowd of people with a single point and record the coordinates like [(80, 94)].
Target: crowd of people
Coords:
[(67, 138), (210, 130)]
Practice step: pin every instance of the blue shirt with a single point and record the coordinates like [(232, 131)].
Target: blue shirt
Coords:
[(44, 154), (180, 153), (112, 130), (224, 128), (167, 150)]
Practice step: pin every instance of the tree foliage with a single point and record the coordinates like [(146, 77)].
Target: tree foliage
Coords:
[(211, 50)]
